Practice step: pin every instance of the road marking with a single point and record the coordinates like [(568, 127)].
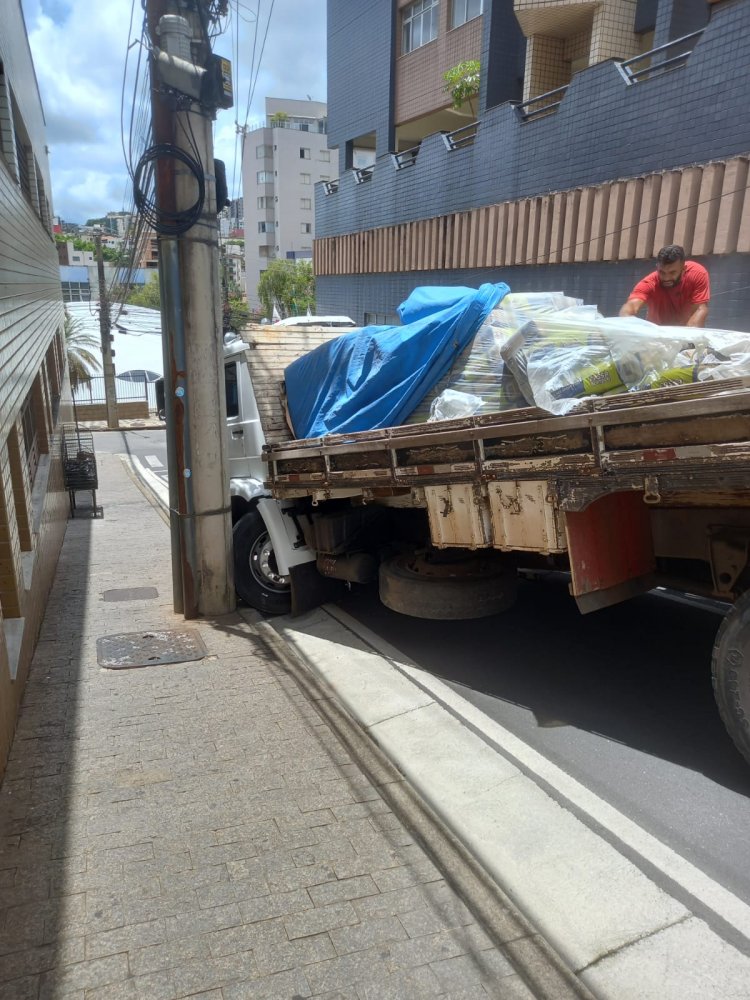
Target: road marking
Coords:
[(154, 461), (656, 855)]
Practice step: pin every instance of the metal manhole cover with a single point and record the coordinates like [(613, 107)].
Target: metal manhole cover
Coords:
[(146, 649), (131, 594)]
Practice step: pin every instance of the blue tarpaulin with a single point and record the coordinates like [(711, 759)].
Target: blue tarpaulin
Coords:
[(377, 376)]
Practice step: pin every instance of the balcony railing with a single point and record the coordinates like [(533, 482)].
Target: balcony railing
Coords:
[(461, 137), (330, 187), (541, 106), (405, 158), (633, 74), (362, 174)]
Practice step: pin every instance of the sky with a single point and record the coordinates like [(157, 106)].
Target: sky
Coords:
[(79, 50)]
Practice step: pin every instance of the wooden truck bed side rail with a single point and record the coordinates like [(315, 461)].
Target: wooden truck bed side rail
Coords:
[(695, 435)]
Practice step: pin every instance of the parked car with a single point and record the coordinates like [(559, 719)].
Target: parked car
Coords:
[(325, 322)]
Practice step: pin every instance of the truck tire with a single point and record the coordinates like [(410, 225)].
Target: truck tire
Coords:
[(730, 668), (466, 587), (256, 576)]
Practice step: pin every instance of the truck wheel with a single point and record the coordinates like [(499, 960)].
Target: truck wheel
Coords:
[(256, 576), (731, 674), (433, 586)]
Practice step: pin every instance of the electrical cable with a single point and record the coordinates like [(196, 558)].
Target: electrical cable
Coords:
[(164, 222), (251, 93)]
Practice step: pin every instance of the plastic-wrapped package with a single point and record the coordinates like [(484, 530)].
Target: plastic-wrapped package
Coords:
[(450, 405), (561, 358), (548, 350), (480, 381)]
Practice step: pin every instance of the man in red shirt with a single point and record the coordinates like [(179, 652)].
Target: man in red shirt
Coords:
[(677, 293)]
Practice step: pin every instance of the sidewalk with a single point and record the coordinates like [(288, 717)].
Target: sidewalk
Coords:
[(199, 829)]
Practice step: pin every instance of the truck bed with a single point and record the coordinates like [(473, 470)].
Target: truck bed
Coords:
[(681, 446)]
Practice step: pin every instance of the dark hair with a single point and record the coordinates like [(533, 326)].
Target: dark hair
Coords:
[(671, 253)]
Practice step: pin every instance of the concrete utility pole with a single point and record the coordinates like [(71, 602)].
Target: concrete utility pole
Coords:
[(105, 328), (183, 110)]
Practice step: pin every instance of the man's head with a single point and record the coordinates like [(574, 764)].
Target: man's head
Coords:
[(670, 263)]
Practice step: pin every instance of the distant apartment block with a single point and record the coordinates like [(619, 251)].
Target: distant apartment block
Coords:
[(282, 162)]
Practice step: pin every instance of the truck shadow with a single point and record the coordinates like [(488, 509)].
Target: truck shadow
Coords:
[(638, 673)]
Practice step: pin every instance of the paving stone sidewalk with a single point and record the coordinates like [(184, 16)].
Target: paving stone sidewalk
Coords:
[(196, 829)]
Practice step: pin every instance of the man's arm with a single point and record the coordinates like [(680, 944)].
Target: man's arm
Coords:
[(632, 307), (699, 314)]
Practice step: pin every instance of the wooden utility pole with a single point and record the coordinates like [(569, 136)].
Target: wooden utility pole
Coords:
[(182, 116), (105, 330)]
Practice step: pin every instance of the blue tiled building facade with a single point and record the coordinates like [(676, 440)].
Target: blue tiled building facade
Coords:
[(575, 191)]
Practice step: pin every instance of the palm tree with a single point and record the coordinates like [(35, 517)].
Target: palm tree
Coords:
[(81, 362)]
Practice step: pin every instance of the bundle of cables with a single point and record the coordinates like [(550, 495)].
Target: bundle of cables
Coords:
[(167, 223)]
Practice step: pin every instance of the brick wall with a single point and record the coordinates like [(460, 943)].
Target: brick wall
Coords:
[(135, 410), (419, 87)]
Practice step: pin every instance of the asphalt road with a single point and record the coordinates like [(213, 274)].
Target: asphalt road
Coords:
[(620, 699)]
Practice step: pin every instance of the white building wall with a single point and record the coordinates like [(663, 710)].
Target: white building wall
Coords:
[(290, 187)]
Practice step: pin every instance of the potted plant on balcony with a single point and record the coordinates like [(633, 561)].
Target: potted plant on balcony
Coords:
[(462, 84)]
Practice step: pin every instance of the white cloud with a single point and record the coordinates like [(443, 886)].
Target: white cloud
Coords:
[(79, 54)]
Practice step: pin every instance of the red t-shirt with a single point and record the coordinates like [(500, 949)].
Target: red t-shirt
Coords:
[(671, 306)]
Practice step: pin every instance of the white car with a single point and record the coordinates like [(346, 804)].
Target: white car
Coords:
[(332, 322)]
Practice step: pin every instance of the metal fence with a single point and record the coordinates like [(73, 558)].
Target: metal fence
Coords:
[(126, 391)]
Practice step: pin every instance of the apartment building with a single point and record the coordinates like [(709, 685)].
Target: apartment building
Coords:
[(34, 391), (601, 131), (282, 162)]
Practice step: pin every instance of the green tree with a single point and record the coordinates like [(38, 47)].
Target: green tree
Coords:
[(148, 296), (279, 118), (462, 84), (82, 363), (289, 285), (236, 312), (109, 254)]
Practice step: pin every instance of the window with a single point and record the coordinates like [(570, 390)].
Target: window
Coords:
[(233, 397), (325, 155), (304, 178), (465, 10), (305, 227), (419, 25), (265, 201), (261, 152), (30, 437), (265, 227), (304, 153), (325, 177), (305, 204), (6, 129), (76, 291), (265, 176), (263, 252)]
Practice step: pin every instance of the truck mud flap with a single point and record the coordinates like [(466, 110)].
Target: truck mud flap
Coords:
[(611, 550)]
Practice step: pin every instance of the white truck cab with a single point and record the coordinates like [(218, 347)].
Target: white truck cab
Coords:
[(267, 543)]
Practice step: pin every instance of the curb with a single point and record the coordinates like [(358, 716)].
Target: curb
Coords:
[(535, 960), (625, 929)]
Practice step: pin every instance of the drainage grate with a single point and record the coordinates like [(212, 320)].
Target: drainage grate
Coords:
[(131, 594), (146, 649)]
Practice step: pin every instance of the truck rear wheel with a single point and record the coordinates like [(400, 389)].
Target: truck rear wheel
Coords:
[(256, 576), (451, 587), (731, 674)]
